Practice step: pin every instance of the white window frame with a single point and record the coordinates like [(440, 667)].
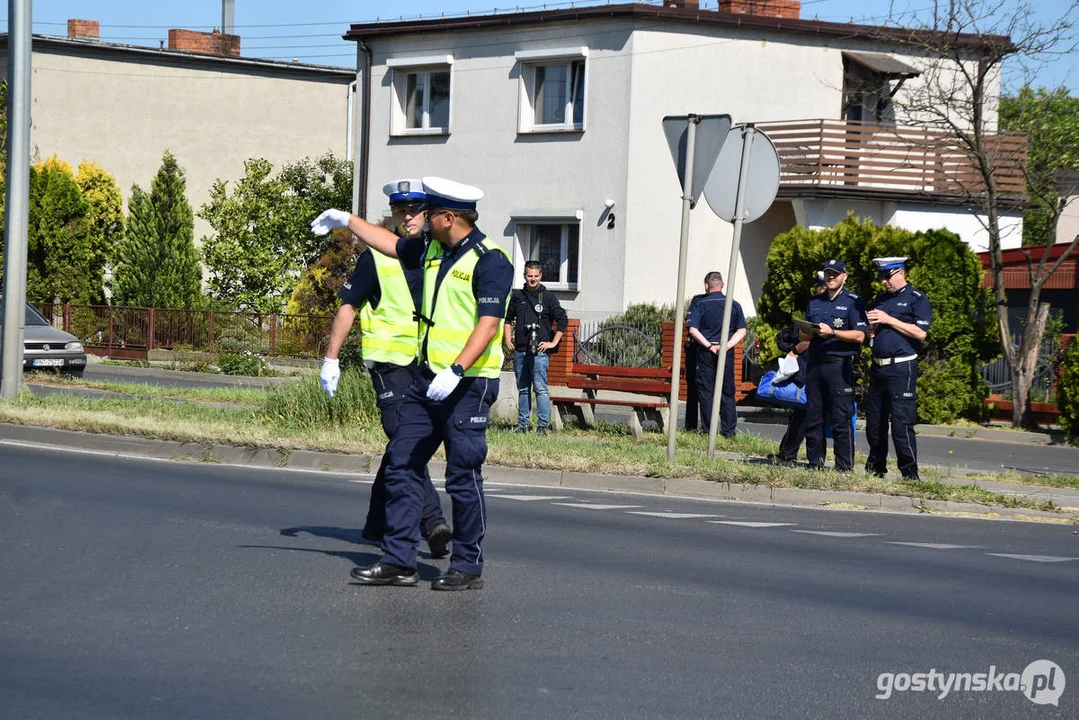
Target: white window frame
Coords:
[(564, 218), (401, 69), (530, 60)]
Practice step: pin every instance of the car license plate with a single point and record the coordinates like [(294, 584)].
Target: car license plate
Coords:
[(49, 362)]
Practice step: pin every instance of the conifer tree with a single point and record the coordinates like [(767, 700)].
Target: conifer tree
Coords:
[(158, 265)]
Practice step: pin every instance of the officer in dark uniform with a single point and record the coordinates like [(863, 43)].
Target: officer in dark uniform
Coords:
[(693, 402), (841, 320), (467, 279), (387, 296), (705, 326), (898, 324)]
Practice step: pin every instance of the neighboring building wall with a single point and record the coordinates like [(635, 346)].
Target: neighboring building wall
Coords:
[(123, 110), (1068, 222), (520, 173)]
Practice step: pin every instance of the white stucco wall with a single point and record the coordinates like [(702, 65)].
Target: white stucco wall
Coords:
[(1068, 222), (520, 173), (124, 110)]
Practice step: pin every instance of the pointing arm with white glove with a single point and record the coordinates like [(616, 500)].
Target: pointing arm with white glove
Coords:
[(374, 236), (331, 373)]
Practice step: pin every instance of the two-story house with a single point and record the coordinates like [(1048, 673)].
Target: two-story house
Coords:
[(556, 115)]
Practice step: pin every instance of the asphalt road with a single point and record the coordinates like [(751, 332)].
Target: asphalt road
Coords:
[(143, 589)]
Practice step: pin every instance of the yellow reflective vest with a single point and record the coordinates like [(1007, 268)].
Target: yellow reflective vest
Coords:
[(454, 312), (390, 332)]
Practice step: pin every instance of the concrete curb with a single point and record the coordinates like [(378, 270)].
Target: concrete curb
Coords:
[(345, 463)]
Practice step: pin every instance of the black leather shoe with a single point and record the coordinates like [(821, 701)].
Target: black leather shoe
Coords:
[(385, 574), (777, 460), (541, 431), (454, 579), (520, 430), (438, 540)]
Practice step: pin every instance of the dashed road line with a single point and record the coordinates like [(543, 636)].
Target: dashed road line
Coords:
[(671, 515), (527, 498), (1034, 558), (826, 533), (595, 506), (932, 546), (748, 524)]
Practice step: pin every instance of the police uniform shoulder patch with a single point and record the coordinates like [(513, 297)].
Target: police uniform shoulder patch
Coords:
[(853, 295)]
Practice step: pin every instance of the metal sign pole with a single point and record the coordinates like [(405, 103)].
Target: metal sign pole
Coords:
[(680, 298), (736, 240), (17, 204)]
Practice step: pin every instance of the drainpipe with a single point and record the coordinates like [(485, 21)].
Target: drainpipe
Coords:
[(348, 121), (359, 173)]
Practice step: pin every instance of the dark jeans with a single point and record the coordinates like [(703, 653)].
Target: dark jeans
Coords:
[(893, 395), (707, 363), (692, 401), (460, 423), (830, 388), (390, 383)]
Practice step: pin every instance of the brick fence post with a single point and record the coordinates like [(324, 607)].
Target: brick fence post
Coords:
[(560, 363)]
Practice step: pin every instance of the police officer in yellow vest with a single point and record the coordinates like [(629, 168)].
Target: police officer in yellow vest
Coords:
[(388, 296), (467, 280)]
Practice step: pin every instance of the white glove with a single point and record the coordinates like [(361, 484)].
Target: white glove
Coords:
[(443, 385), (331, 373), (329, 220)]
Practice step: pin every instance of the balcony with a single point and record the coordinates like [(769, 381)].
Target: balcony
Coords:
[(835, 157)]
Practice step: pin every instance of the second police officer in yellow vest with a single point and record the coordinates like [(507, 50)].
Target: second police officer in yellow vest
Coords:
[(467, 279), (388, 296)]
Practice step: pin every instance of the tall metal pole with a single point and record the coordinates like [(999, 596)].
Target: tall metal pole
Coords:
[(680, 298), (739, 212), (17, 206)]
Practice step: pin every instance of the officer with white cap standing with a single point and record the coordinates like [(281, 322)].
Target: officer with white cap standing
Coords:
[(467, 280), (388, 296), (898, 325), (841, 325)]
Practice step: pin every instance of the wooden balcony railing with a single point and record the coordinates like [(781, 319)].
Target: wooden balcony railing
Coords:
[(840, 154)]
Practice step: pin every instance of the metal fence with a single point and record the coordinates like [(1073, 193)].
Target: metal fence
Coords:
[(997, 375), (131, 332)]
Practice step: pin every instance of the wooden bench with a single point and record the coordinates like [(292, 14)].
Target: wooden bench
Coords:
[(590, 379)]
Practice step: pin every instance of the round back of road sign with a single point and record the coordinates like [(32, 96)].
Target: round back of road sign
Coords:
[(761, 176)]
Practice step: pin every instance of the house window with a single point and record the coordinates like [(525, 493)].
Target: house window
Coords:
[(552, 90), (422, 96), (556, 245)]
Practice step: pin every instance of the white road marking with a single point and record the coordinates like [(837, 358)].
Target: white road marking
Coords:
[(743, 523), (836, 534), (1034, 558), (593, 506), (931, 546), (527, 498), (671, 515)]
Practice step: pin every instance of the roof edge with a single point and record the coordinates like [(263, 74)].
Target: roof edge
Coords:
[(634, 11)]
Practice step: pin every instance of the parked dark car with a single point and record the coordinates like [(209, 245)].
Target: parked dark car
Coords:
[(46, 348)]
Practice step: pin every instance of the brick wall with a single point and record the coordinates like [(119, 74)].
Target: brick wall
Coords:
[(789, 9), (215, 43), (83, 29)]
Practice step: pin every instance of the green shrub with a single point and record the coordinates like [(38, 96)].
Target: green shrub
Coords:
[(1068, 393), (246, 363), (631, 339), (304, 405), (962, 337)]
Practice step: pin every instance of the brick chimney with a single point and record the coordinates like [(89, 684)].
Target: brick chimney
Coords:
[(212, 43), (787, 9), (84, 29), (686, 4)]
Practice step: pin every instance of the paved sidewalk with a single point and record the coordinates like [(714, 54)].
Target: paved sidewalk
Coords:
[(683, 487)]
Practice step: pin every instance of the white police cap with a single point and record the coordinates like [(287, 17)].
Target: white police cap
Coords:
[(449, 194), (404, 192), (888, 265)]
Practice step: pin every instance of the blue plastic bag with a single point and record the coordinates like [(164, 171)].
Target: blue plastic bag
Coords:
[(786, 394)]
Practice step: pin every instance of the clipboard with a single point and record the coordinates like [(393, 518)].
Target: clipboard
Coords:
[(807, 327)]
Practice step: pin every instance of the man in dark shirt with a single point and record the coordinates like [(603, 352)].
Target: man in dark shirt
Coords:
[(706, 327), (841, 327), (898, 324), (531, 313)]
